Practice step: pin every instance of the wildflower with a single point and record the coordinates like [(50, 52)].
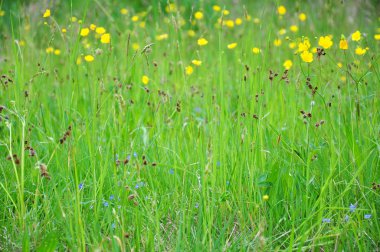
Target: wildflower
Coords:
[(196, 62), (292, 45), (124, 11), (84, 32), (47, 13), (216, 8), (113, 226), (266, 197), (356, 36), (294, 28), (232, 45), (80, 186), (191, 33), (189, 70), (21, 43), (100, 30), (2, 13), (367, 216), (142, 24), (343, 44), (89, 58), (288, 64), (78, 61), (256, 50), (145, 81), (282, 31), (73, 19), (49, 49), (352, 208), (302, 17), (377, 36), (325, 42), (63, 30), (171, 8), (326, 220), (281, 10), (196, 205), (226, 12), (162, 36), (238, 21), (57, 52), (105, 38), (171, 171), (304, 45), (277, 42), (346, 218), (105, 203), (340, 65), (92, 27), (307, 56), (360, 51), (112, 197), (230, 23), (135, 18), (198, 15), (202, 42), (135, 46)]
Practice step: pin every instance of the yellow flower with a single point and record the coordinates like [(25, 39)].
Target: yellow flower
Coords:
[(92, 27), (277, 42), (282, 31), (135, 46), (230, 23), (105, 38), (340, 65), (216, 8), (47, 13), (57, 52), (191, 33), (256, 50), (145, 80), (377, 36), (73, 19), (232, 45), (302, 17), (356, 36), (171, 8), (292, 45), (49, 49), (89, 58), (100, 30), (196, 62), (360, 51), (202, 42), (63, 30), (124, 11), (343, 78), (198, 15), (21, 43), (84, 32), (2, 13), (281, 10), (307, 56), (142, 24), (226, 12), (78, 61), (189, 70), (304, 45), (266, 197), (294, 28), (162, 36), (325, 42), (288, 64), (238, 21), (135, 18), (343, 44)]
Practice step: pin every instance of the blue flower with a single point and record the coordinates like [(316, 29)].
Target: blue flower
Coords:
[(326, 220), (80, 186), (112, 197), (352, 208), (113, 226), (367, 216), (196, 205), (171, 171), (346, 218), (135, 154), (105, 203), (218, 163)]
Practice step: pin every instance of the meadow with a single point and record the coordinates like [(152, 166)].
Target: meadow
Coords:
[(189, 125)]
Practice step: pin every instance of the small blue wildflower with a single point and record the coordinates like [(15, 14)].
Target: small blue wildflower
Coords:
[(367, 216), (112, 197), (117, 157), (171, 171), (197, 109), (80, 186), (326, 220), (196, 205), (137, 186), (105, 203), (346, 218), (218, 163), (352, 208), (113, 226), (227, 182), (135, 154)]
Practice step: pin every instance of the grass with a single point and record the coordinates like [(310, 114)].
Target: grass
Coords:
[(220, 159)]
